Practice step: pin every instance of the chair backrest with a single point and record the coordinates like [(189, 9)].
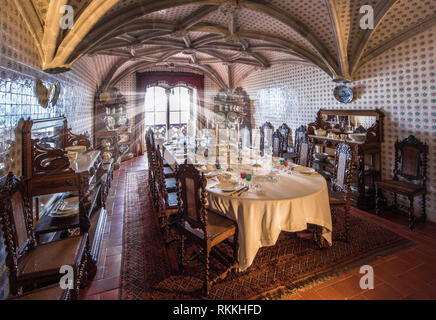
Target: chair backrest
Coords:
[(266, 133), (192, 192), (17, 221), (411, 156), (285, 131), (343, 168), (305, 152), (160, 175), (300, 133), (277, 144)]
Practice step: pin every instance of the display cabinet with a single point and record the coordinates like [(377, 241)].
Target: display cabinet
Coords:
[(52, 177), (363, 130)]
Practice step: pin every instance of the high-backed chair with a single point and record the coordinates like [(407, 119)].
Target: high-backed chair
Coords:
[(340, 188), (31, 265), (285, 131), (166, 201), (300, 134), (305, 152), (266, 132), (202, 226), (410, 176), (277, 144)]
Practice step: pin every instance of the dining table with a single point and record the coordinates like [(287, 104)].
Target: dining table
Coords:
[(278, 198)]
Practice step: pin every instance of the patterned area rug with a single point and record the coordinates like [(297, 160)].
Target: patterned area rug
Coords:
[(293, 263)]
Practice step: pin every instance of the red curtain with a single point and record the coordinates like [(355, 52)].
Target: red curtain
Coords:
[(172, 79)]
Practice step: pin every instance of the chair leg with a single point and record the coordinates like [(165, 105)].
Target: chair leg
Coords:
[(347, 223), (377, 201), (207, 285), (411, 214), (424, 208), (395, 201), (182, 254)]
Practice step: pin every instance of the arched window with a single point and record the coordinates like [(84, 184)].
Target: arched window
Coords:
[(170, 111)]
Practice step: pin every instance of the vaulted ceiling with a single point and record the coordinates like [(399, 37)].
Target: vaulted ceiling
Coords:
[(225, 39)]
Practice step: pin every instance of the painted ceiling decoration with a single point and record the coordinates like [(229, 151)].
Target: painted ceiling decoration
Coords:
[(225, 39)]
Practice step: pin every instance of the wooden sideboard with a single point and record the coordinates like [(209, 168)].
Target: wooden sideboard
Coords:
[(51, 177), (367, 154)]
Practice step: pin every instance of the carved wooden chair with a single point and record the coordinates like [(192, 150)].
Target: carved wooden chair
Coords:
[(340, 188), (167, 201), (169, 173), (31, 265), (410, 176), (288, 144), (277, 144), (300, 134), (305, 152), (267, 126), (202, 226)]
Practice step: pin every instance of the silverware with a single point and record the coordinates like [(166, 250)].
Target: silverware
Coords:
[(244, 190), (236, 191)]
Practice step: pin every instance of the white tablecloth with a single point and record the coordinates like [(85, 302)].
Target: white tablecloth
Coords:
[(286, 205)]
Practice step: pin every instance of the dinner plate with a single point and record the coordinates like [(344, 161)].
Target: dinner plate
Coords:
[(228, 186), (66, 208), (303, 170)]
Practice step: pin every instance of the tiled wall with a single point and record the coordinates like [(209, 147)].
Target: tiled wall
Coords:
[(18, 72), (402, 82)]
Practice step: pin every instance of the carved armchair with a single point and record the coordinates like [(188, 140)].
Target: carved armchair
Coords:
[(31, 265), (202, 226), (410, 176)]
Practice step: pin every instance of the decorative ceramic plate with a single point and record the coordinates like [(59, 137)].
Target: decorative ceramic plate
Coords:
[(343, 94), (122, 121), (110, 122)]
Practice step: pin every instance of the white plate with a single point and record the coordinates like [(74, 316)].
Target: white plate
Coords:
[(66, 208), (303, 170), (228, 186)]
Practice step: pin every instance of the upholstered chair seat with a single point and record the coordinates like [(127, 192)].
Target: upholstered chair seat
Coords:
[(45, 259)]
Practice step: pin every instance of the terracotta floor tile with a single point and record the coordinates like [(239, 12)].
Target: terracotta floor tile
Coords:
[(382, 292), (310, 294), (110, 295), (330, 293), (349, 287), (395, 266), (103, 285)]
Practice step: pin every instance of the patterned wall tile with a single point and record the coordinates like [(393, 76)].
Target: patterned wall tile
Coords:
[(401, 82)]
